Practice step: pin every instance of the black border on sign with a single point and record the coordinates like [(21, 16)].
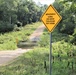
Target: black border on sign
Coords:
[(56, 13)]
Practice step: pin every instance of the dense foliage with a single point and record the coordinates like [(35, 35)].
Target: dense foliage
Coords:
[(67, 9), (18, 12), (9, 41), (36, 61)]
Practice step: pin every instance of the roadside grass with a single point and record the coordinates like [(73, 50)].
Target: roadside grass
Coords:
[(31, 63), (36, 62), (8, 41)]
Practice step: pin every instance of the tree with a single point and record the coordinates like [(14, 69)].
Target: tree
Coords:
[(19, 12), (66, 9)]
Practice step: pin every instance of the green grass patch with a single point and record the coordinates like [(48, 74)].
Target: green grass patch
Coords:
[(8, 40), (33, 62)]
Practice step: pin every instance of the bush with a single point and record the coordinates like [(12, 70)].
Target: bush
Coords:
[(66, 27), (19, 24), (6, 26), (73, 38), (16, 28)]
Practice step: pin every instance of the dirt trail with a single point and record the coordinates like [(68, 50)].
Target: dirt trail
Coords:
[(36, 35), (7, 56)]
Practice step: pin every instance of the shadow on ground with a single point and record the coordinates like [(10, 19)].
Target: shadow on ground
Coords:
[(27, 44)]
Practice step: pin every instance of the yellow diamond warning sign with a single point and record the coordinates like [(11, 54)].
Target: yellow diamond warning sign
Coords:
[(51, 18)]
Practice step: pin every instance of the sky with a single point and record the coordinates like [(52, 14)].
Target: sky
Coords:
[(48, 2)]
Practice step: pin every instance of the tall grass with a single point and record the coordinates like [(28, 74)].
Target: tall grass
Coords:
[(8, 40), (33, 62)]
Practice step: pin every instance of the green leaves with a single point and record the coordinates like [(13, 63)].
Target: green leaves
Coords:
[(24, 11), (67, 10)]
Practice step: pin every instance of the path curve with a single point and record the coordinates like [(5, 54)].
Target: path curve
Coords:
[(7, 56)]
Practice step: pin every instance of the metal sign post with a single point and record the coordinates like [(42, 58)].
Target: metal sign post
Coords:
[(51, 18), (50, 56)]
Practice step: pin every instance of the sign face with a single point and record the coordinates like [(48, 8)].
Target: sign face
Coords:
[(51, 18)]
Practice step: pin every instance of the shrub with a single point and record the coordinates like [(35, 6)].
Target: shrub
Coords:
[(66, 27), (6, 26), (73, 38), (16, 28), (19, 24)]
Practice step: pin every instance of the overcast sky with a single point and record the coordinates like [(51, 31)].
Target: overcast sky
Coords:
[(48, 2)]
